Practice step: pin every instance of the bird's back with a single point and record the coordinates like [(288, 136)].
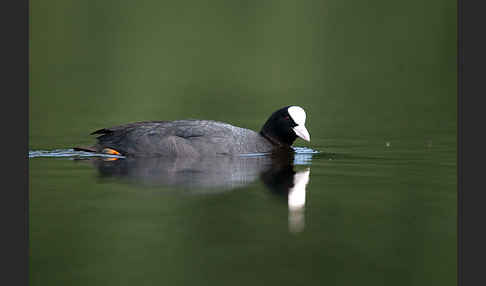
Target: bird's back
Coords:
[(181, 138)]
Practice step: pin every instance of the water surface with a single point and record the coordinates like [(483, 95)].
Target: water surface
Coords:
[(375, 206), (385, 213)]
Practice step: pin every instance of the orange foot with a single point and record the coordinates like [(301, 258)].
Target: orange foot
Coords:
[(111, 151)]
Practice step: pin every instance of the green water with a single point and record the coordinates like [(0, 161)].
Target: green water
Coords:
[(377, 80)]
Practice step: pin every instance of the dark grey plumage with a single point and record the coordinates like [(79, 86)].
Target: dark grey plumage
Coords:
[(195, 138), (181, 138)]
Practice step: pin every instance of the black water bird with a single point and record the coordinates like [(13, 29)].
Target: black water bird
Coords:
[(195, 138)]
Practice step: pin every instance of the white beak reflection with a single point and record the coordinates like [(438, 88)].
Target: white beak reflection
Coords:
[(296, 201)]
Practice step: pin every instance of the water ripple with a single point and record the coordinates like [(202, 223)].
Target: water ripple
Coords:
[(305, 150), (61, 153), (303, 155)]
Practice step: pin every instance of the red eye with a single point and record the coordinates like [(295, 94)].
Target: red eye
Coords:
[(287, 118)]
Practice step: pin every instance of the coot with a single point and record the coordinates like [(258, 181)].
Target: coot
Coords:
[(196, 138)]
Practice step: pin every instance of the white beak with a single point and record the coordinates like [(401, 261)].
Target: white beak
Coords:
[(302, 132)]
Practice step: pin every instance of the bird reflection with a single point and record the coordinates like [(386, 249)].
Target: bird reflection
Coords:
[(217, 174), (284, 181), (296, 201)]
